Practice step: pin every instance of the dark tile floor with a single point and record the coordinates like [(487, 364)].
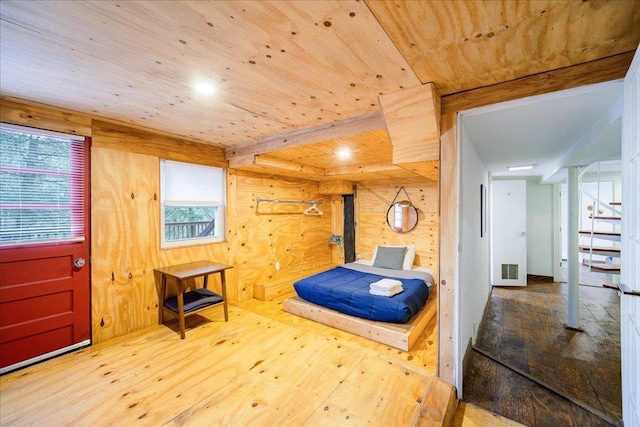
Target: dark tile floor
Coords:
[(524, 328)]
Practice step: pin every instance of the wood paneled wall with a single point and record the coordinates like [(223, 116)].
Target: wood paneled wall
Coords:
[(270, 233), (125, 220), (126, 248), (372, 201), (125, 217)]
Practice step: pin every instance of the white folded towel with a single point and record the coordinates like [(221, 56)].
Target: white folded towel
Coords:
[(385, 284), (386, 292), (386, 287)]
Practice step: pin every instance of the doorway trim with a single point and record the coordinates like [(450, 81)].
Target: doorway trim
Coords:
[(504, 95)]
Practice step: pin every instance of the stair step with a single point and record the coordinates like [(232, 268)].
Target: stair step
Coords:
[(612, 219), (599, 250), (605, 235), (602, 267)]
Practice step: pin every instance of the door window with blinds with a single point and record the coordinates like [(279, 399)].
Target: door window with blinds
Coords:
[(41, 186), (193, 202)]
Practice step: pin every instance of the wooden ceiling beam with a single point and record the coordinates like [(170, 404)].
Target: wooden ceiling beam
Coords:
[(427, 169), (338, 129), (337, 187), (361, 169), (597, 71), (288, 165), (125, 138), (21, 113), (269, 164)]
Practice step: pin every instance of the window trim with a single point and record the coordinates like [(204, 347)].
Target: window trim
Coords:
[(221, 215)]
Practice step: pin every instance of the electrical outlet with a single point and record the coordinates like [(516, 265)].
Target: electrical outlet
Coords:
[(277, 265)]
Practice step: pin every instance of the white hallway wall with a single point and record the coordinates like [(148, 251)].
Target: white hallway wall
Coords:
[(474, 288)]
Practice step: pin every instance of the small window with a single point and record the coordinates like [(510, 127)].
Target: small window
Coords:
[(42, 181), (193, 204)]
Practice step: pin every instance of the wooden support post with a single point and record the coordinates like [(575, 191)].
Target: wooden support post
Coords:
[(337, 228), (449, 264)]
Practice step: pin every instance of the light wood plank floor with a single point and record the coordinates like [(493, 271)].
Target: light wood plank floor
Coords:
[(263, 367), (472, 416), (423, 355)]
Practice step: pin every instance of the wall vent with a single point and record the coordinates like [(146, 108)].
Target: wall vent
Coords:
[(510, 271)]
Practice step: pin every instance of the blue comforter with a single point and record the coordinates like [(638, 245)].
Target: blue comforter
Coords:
[(347, 290)]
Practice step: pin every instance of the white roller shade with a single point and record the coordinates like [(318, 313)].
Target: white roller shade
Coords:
[(186, 184)]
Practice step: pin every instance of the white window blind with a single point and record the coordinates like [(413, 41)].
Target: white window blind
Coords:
[(193, 199), (187, 184), (42, 177)]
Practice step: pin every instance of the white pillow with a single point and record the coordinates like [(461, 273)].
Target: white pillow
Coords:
[(409, 255)]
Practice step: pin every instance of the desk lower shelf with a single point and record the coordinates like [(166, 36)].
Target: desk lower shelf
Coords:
[(195, 300)]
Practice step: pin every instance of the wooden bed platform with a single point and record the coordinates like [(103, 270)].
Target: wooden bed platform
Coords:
[(398, 335)]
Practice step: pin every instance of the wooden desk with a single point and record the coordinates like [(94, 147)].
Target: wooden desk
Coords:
[(198, 299)]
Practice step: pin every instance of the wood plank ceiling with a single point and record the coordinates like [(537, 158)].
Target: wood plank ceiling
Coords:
[(284, 68)]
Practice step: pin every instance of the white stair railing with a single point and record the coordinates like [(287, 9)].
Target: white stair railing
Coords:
[(597, 197), (597, 202)]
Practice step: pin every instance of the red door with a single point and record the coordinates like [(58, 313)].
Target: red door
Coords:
[(44, 274)]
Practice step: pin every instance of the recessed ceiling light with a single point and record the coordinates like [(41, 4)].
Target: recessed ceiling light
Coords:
[(344, 153), (204, 88), (520, 168)]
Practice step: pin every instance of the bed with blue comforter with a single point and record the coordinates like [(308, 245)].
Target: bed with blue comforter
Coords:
[(346, 289)]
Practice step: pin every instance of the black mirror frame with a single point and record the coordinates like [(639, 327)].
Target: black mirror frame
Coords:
[(412, 227)]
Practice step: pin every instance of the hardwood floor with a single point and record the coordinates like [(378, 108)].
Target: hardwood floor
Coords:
[(472, 416), (524, 329), (263, 367), (423, 354)]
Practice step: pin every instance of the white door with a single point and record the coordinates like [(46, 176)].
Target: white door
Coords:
[(630, 271), (509, 233)]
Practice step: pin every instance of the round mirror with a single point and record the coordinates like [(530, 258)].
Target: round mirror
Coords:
[(402, 216)]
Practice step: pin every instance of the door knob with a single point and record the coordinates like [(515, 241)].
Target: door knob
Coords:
[(79, 262)]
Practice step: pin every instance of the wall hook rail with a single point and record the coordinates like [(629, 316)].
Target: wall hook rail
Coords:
[(312, 210)]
